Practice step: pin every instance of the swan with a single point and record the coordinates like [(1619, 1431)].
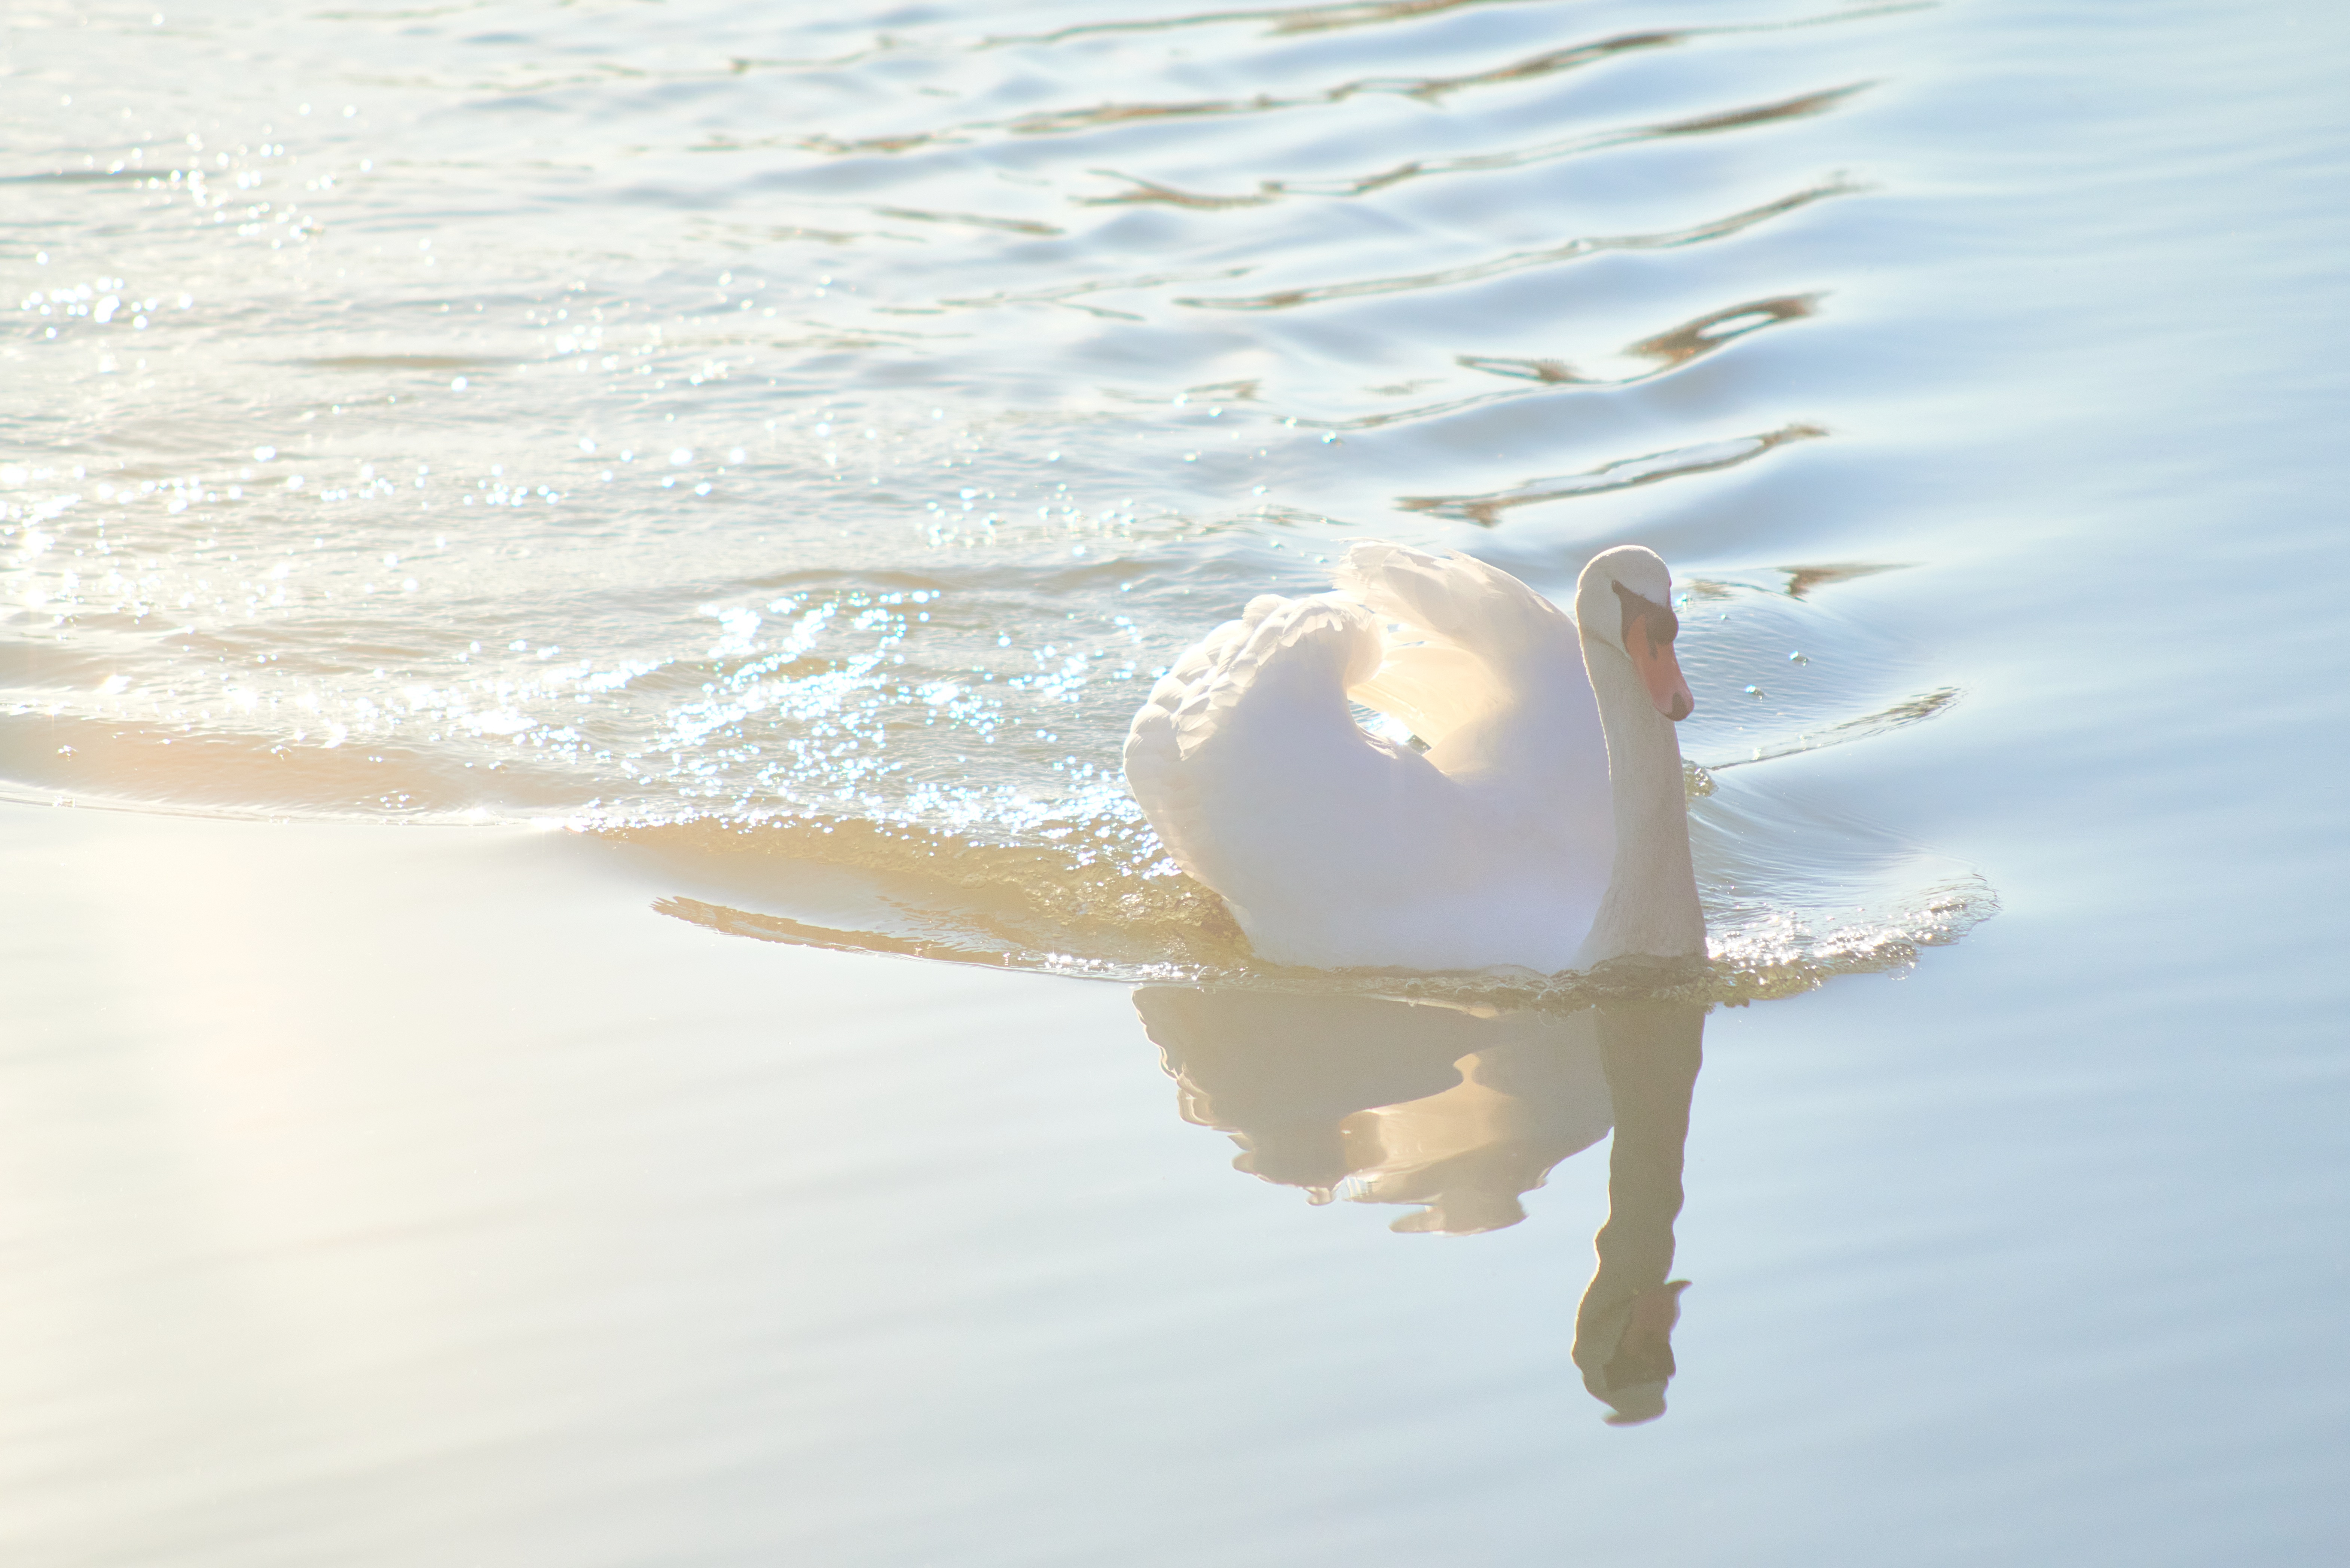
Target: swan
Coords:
[(1544, 827)]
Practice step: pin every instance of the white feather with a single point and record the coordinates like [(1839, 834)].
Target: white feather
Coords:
[(1336, 847)]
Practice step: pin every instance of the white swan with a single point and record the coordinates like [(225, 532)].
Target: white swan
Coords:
[(1545, 826)]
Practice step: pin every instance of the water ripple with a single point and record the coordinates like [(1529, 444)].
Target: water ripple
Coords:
[(1271, 191), (1623, 473), (1519, 261)]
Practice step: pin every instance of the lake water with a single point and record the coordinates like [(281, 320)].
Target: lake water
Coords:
[(777, 448)]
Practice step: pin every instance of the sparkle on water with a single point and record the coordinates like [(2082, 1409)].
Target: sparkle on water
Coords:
[(843, 510)]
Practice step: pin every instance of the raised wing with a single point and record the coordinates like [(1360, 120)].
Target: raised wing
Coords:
[(1476, 647), (1248, 762), (1335, 847)]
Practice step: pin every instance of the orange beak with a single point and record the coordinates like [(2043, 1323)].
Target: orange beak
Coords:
[(1660, 672), (1648, 632)]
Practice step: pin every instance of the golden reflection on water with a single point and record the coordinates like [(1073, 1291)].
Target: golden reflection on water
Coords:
[(1379, 1101)]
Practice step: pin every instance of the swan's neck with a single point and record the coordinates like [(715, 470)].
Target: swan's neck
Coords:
[(1652, 906)]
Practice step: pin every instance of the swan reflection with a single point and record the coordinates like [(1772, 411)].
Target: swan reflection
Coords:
[(1380, 1101)]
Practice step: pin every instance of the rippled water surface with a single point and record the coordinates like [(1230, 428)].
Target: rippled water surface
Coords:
[(779, 446), (828, 427)]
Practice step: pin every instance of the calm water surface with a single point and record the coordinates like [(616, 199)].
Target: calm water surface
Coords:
[(783, 444)]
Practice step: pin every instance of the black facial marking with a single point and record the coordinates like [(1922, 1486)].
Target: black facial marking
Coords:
[(1658, 623)]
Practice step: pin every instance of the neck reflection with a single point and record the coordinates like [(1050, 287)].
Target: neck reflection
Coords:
[(1379, 1101)]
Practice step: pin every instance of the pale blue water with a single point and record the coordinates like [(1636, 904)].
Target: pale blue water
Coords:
[(951, 369)]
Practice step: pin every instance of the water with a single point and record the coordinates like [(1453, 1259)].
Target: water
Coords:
[(781, 449), (827, 431)]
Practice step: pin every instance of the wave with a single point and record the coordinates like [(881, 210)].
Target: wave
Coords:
[(1792, 901), (1623, 473)]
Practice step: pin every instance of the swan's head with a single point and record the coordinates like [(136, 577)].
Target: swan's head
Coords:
[(1624, 601)]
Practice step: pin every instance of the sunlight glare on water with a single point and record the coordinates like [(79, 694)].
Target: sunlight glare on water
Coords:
[(825, 428)]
